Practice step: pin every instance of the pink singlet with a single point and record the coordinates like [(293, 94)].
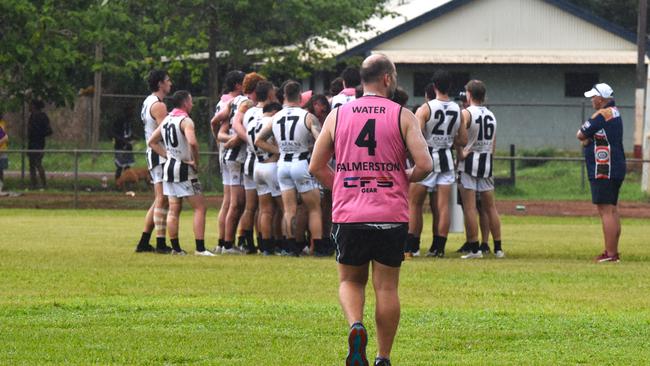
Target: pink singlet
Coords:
[(370, 184)]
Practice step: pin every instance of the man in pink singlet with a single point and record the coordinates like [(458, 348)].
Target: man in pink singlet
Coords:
[(371, 137)]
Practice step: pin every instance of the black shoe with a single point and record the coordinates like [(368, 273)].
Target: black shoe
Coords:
[(382, 362), (163, 250), (357, 341), (251, 250), (145, 249), (440, 253), (464, 249), (485, 248)]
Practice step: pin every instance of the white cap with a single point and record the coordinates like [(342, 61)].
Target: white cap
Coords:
[(602, 90)]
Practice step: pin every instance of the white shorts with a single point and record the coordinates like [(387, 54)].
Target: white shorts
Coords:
[(295, 175), (182, 189), (156, 174), (435, 179), (225, 174), (235, 173), (249, 182), (476, 184), (266, 177)]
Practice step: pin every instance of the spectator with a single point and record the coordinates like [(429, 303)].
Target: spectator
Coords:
[(38, 129), (4, 142), (122, 135), (602, 140)]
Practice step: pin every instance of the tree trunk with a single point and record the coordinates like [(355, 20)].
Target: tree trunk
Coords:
[(94, 134)]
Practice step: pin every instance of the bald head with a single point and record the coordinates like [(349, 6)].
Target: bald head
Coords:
[(374, 67)]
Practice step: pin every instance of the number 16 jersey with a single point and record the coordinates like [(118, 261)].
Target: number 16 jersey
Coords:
[(370, 184), (480, 141)]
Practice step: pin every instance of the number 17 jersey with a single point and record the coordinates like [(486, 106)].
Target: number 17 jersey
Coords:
[(370, 184)]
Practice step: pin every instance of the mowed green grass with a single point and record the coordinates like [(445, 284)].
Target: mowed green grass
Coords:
[(73, 292)]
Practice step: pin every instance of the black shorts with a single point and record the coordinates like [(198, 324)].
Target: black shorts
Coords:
[(358, 244), (605, 191)]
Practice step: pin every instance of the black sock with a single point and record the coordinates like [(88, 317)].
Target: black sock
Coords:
[(220, 243), (474, 247), (300, 245), (291, 246), (175, 244), (319, 246), (497, 245), (248, 238), (439, 242), (415, 244), (144, 239), (227, 244), (160, 242), (200, 245), (241, 241), (407, 244), (259, 241)]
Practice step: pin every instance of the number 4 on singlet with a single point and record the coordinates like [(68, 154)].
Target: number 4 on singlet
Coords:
[(366, 137)]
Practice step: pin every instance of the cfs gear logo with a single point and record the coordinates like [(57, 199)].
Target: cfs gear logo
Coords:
[(368, 184)]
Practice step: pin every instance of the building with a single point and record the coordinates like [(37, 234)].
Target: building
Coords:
[(537, 57)]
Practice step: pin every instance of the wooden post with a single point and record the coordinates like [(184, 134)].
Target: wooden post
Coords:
[(639, 97)]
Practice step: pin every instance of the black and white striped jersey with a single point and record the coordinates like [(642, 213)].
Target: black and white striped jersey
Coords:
[(253, 122), (237, 153), (480, 142), (150, 125), (221, 105), (178, 151), (439, 132), (295, 140)]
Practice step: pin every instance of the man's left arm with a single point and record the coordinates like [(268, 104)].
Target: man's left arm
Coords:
[(590, 127), (187, 126)]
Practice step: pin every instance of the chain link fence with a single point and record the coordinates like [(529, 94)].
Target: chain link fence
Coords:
[(81, 176)]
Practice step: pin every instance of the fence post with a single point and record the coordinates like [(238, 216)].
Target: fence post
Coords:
[(582, 176), (75, 203), (512, 164)]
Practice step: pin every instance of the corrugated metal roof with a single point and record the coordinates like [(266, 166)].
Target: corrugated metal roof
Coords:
[(593, 34)]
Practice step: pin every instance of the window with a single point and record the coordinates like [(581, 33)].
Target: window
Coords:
[(421, 79), (577, 83)]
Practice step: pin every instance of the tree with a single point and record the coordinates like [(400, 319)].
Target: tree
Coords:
[(247, 32), (621, 12)]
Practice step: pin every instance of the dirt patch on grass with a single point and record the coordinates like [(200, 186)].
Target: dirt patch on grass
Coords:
[(142, 200)]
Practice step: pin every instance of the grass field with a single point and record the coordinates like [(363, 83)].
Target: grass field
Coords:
[(73, 292)]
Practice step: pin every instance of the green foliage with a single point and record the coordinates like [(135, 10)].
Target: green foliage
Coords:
[(72, 286), (621, 12)]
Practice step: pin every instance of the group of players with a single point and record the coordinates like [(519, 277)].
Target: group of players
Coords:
[(266, 136)]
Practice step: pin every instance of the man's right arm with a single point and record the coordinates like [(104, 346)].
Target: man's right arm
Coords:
[(323, 151), (154, 140), (159, 112), (416, 145)]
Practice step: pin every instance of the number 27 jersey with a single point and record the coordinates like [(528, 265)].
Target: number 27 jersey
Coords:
[(370, 184), (439, 132)]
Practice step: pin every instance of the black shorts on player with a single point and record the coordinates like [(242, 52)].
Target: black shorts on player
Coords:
[(605, 191), (358, 244)]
